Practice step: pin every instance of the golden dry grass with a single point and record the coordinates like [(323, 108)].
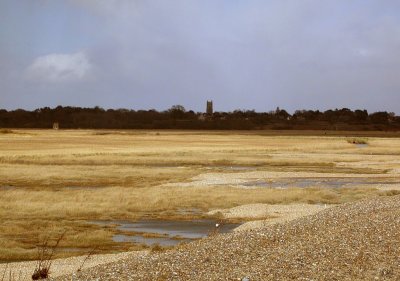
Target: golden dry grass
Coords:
[(52, 181)]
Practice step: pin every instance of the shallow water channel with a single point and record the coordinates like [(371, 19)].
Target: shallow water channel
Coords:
[(163, 233)]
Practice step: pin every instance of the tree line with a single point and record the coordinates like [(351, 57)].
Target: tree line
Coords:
[(177, 117)]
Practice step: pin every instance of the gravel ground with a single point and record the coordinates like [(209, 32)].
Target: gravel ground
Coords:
[(355, 241)]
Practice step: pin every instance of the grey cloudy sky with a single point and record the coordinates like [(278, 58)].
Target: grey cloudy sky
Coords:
[(243, 54)]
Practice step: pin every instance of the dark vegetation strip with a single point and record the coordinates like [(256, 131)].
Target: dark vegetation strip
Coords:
[(178, 118)]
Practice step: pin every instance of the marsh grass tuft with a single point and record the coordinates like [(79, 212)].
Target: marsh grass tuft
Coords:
[(392, 192), (157, 248), (6, 131)]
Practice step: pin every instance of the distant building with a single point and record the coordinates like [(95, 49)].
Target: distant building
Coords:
[(55, 126), (210, 109)]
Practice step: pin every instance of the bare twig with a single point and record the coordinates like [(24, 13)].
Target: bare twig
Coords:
[(54, 248), (4, 273), (87, 257)]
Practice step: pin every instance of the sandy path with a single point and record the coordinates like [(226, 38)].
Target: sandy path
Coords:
[(68, 266)]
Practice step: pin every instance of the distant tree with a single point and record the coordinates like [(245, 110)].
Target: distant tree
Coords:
[(177, 111), (98, 109), (381, 117), (392, 116), (361, 115), (282, 114)]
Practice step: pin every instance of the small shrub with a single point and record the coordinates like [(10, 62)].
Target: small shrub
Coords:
[(157, 248), (357, 141)]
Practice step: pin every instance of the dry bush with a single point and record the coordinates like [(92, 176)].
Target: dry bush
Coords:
[(46, 254)]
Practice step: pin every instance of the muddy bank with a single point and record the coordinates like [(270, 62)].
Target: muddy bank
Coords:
[(267, 214)]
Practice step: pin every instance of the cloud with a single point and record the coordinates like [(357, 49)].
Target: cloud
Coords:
[(56, 68)]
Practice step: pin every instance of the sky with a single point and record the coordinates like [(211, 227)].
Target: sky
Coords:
[(242, 54)]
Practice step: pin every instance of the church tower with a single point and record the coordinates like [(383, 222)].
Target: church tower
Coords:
[(209, 110)]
